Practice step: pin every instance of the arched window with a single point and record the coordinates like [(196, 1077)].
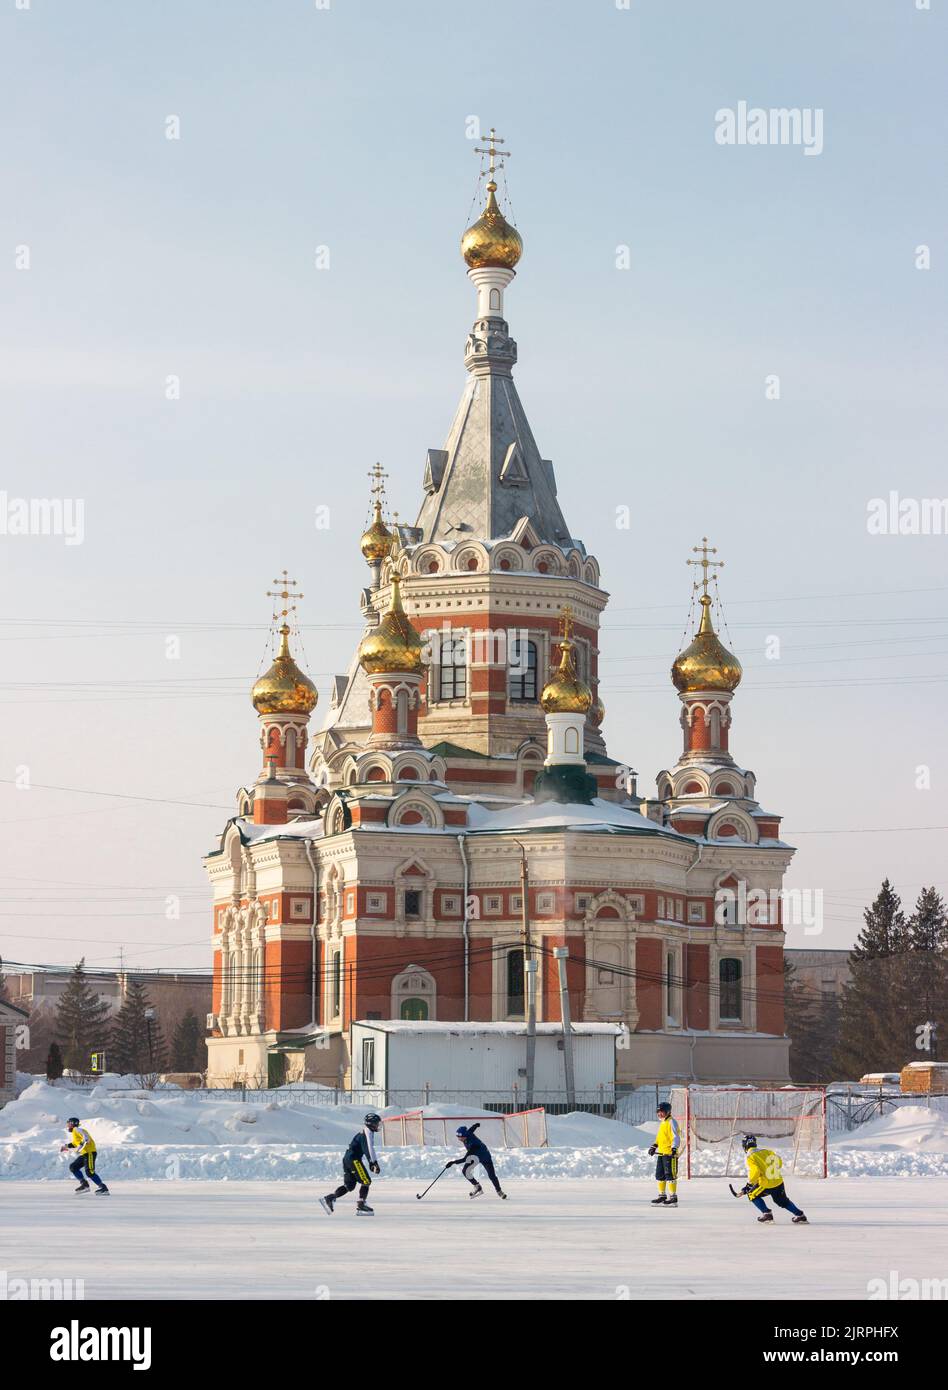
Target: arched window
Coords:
[(522, 670), (730, 973), (452, 669), (414, 993), (572, 740), (415, 1010), (515, 1007)]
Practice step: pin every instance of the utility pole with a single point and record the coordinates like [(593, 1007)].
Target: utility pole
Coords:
[(530, 970), (560, 954)]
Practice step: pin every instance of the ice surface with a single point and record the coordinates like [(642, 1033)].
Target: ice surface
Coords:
[(574, 1239)]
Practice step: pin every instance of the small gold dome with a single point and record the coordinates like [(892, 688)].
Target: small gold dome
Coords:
[(706, 664), (284, 689), (565, 693), (491, 241), (598, 713), (394, 645), (376, 542)]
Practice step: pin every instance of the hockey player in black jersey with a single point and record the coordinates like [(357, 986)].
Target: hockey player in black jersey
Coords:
[(475, 1152), (358, 1163)]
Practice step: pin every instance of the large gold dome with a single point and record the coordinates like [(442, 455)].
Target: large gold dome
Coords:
[(565, 693), (394, 645), (492, 241), (706, 664), (376, 542), (284, 689)]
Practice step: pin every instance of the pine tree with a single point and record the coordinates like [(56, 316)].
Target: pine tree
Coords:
[(81, 1021), (54, 1063), (875, 1013), (928, 972), (187, 1044), (136, 1044)]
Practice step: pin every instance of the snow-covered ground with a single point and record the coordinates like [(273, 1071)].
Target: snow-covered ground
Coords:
[(187, 1135), (572, 1239)]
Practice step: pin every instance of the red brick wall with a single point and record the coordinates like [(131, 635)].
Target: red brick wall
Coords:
[(287, 983), (380, 958), (648, 981), (549, 978), (770, 989)]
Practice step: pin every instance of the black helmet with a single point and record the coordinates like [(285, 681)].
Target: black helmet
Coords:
[(72, 1122), (664, 1108), (372, 1121), (749, 1142), (461, 1131)]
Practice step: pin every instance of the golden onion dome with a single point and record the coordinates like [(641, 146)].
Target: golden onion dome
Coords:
[(394, 645), (598, 713), (706, 664), (565, 693), (284, 689), (376, 542), (492, 241)]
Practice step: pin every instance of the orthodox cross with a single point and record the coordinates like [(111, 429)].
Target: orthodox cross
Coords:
[(287, 592), (704, 550), (378, 475), (492, 141), (566, 622)]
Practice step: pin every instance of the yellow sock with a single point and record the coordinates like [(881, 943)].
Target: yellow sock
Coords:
[(673, 1188), (661, 1189)]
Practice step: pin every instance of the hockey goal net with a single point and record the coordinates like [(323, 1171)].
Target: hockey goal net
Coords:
[(525, 1129), (713, 1120)]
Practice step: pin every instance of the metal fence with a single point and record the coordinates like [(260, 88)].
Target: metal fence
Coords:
[(599, 1101), (847, 1107)]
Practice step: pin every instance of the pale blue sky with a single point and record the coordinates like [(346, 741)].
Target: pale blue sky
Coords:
[(346, 127)]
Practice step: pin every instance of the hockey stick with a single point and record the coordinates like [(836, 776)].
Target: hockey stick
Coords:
[(732, 1192), (419, 1195)]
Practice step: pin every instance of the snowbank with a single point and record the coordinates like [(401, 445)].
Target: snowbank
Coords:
[(187, 1134), (910, 1128)]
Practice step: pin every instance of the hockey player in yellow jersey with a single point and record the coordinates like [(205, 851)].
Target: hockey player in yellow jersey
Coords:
[(765, 1179), (665, 1151), (83, 1166)]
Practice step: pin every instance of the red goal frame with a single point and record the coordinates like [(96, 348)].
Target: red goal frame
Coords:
[(751, 1121)]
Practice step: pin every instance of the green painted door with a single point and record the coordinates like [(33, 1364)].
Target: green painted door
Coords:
[(415, 1010)]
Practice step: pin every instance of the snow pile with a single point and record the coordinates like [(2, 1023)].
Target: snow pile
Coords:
[(172, 1133)]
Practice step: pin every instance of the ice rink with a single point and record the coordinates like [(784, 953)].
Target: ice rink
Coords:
[(571, 1238)]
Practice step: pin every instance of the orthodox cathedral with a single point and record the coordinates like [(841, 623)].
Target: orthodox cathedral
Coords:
[(455, 816)]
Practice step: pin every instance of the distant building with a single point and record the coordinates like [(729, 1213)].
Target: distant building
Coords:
[(821, 972), (171, 994), (11, 1018)]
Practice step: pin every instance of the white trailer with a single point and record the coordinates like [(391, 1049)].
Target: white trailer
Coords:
[(483, 1064)]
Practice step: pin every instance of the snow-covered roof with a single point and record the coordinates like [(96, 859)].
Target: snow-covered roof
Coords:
[(432, 1028), (602, 817)]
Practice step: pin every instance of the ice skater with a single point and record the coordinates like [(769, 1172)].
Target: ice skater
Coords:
[(83, 1165), (359, 1162), (475, 1152), (764, 1169), (665, 1151)]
